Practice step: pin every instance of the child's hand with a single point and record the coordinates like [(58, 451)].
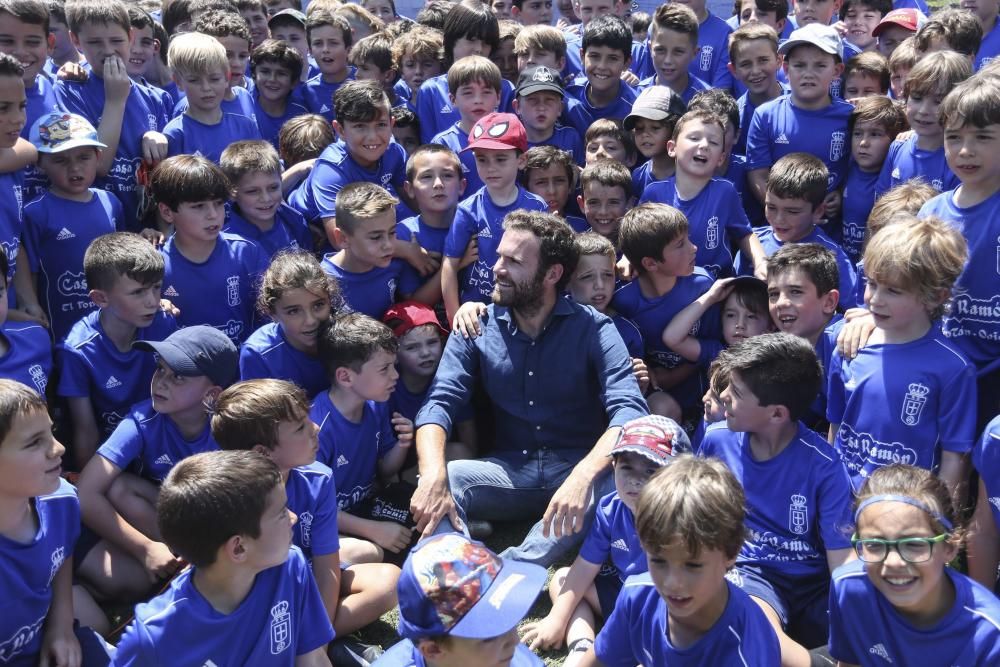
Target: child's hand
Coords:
[(641, 374), (832, 203), (403, 428), (116, 82), (154, 147), (630, 78), (467, 319), (33, 313), (545, 634), (426, 263), (60, 648), (855, 333), (471, 254), (167, 306), (625, 269), (72, 72), (159, 561), (719, 290), (154, 236), (841, 29), (391, 536)]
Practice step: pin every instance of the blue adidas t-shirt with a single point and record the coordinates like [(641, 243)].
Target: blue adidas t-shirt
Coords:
[(288, 231), (317, 95), (779, 127), (580, 115), (986, 459), (906, 161), (638, 632), (27, 571), (280, 618), (973, 321), (90, 365), (746, 108), (269, 126), (150, 442), (317, 197), (29, 355), (312, 496), (865, 629), (565, 139), (372, 292), (693, 87), (221, 291), (612, 535), (241, 104), (436, 112), (185, 135), (429, 238), (478, 217), (352, 450), (716, 220), (457, 140), (643, 177), (57, 233), (144, 112), (924, 408), (798, 503), (859, 198), (268, 354)]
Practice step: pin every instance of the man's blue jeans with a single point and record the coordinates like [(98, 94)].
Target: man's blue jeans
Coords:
[(510, 488)]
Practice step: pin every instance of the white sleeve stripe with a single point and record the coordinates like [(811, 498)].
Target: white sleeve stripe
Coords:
[(989, 619), (739, 645), (954, 353), (815, 449), (162, 611)]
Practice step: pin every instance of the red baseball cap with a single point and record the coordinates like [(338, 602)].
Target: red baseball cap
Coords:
[(908, 19), (407, 315), (498, 132)]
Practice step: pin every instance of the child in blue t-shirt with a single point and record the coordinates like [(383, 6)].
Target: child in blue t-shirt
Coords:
[(899, 602), (201, 71), (984, 557), (607, 52), (873, 126), (62, 222), (922, 154), (359, 439), (652, 120), (606, 194), (276, 68), (539, 104), (371, 279), (654, 239), (249, 596), (468, 31), (272, 417), (674, 52), (257, 212), (797, 490), (128, 115), (551, 173), (210, 276), (329, 38), (446, 573), (643, 447), (755, 65), (364, 153), (41, 523), (989, 47), (25, 347), (119, 486), (690, 524), (499, 143), (712, 206), (298, 296), (929, 415), (808, 119), (474, 85), (100, 373)]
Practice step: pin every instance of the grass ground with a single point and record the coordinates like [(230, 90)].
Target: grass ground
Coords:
[(384, 634)]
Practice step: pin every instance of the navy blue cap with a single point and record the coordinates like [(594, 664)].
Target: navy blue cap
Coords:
[(198, 350)]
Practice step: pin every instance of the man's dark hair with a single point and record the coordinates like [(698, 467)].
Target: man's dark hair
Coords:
[(557, 244)]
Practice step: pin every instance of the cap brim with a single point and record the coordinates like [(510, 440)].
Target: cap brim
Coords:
[(68, 145), (792, 43), (172, 356), (508, 600), (882, 27), (648, 114), (540, 87), (641, 451), (492, 145)]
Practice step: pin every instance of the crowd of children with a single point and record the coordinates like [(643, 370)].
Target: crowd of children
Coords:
[(237, 233)]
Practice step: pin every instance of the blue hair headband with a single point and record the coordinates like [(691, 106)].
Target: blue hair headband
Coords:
[(919, 504)]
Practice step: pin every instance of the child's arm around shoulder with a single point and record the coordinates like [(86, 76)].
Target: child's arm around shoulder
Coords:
[(18, 156), (677, 335)]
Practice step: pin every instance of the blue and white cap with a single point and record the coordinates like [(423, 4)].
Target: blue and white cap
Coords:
[(59, 131), (451, 585)]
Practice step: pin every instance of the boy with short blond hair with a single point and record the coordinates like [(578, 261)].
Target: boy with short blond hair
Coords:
[(330, 39), (474, 90), (753, 47), (922, 153), (201, 71), (712, 204), (225, 513), (673, 46), (902, 60), (540, 45), (364, 228), (257, 213)]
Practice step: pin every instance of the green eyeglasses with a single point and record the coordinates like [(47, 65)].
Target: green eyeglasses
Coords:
[(910, 549)]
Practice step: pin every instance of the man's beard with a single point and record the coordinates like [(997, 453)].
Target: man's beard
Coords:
[(525, 297)]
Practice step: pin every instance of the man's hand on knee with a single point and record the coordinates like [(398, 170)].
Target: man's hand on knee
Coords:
[(568, 505), (431, 502)]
